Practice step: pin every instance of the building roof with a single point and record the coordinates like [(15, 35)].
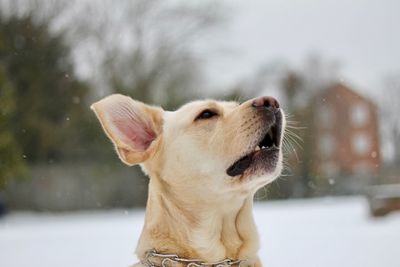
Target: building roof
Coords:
[(338, 86)]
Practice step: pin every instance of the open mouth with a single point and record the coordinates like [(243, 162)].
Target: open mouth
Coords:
[(270, 140), (267, 147)]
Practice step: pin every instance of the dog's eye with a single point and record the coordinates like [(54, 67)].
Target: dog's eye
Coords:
[(206, 114)]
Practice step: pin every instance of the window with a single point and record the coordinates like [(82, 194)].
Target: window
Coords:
[(325, 116), (326, 145), (361, 144), (359, 114)]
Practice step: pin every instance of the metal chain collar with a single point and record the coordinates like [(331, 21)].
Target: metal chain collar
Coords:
[(172, 260)]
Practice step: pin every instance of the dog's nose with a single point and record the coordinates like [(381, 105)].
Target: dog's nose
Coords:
[(266, 101)]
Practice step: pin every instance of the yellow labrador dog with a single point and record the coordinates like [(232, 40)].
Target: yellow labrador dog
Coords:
[(205, 161)]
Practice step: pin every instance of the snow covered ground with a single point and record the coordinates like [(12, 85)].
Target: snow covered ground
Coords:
[(303, 233)]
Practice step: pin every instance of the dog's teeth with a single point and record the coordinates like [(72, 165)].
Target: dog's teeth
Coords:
[(258, 148)]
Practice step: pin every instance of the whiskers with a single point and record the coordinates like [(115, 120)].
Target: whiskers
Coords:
[(291, 142), (291, 139)]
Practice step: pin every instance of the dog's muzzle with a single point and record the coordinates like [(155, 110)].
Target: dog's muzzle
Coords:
[(268, 146)]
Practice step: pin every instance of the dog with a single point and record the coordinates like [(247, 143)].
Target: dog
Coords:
[(205, 161)]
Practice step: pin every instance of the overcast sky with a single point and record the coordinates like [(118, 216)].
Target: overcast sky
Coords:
[(362, 35)]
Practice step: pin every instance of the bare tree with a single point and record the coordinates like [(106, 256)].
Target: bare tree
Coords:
[(146, 48), (38, 9), (150, 49)]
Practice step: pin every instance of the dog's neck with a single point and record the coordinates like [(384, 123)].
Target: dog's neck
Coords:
[(198, 230)]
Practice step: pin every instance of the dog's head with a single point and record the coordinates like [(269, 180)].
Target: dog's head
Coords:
[(207, 147)]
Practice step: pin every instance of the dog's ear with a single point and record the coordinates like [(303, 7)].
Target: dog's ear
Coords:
[(133, 127)]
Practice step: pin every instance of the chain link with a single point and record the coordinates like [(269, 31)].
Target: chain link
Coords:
[(173, 258)]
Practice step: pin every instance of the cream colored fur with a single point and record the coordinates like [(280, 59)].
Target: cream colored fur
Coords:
[(194, 209)]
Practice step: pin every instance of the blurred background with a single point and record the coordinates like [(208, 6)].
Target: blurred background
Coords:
[(334, 66)]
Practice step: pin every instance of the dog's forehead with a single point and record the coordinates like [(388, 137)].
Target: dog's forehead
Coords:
[(200, 105), (193, 108)]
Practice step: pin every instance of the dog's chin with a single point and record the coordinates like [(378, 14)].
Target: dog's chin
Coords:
[(264, 166), (264, 162)]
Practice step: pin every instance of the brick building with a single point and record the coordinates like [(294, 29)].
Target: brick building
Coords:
[(346, 134), (342, 153)]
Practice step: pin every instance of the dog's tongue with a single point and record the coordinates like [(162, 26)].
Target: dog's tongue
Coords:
[(239, 166)]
